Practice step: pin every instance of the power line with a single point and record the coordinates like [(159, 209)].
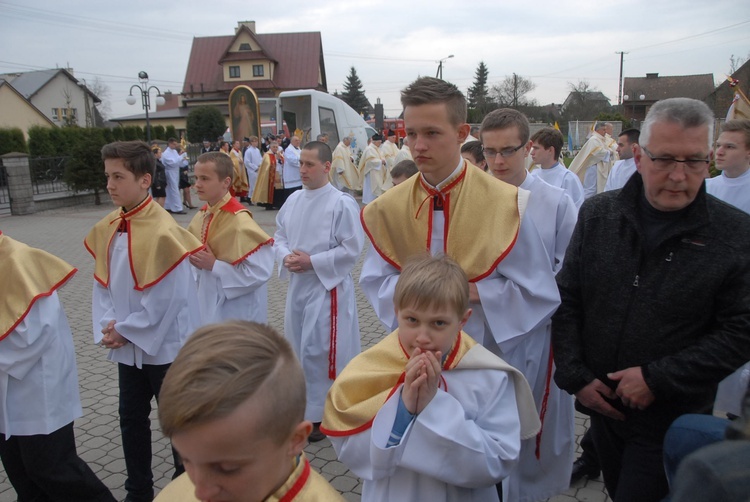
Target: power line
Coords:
[(689, 37)]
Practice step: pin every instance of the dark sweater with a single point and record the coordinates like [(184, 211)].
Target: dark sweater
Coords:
[(680, 310)]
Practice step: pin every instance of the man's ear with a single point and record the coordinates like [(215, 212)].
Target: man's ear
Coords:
[(637, 155), (463, 132)]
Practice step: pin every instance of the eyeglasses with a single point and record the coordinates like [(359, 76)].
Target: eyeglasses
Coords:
[(669, 163), (490, 154)]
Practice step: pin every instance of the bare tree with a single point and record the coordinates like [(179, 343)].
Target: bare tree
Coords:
[(735, 62), (512, 91), (102, 91), (584, 102)]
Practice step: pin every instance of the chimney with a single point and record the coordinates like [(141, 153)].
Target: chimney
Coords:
[(652, 75), (249, 24)]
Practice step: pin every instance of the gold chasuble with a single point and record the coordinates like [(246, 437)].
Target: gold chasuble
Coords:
[(266, 181), (156, 243), (399, 222), (28, 274), (229, 230), (373, 376)]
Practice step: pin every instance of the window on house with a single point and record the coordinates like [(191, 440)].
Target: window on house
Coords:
[(234, 72), (56, 114), (245, 47), (257, 70)]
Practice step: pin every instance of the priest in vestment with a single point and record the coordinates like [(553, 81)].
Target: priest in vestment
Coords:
[(344, 174), (593, 163), (372, 171), (403, 153), (270, 175), (317, 243), (233, 269), (39, 399), (240, 185), (389, 150)]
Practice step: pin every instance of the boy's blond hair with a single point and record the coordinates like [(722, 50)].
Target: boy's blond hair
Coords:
[(223, 365), (432, 282), (223, 165)]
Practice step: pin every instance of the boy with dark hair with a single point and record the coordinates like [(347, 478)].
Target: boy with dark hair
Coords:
[(404, 406), (473, 152), (144, 298), (403, 171), (546, 146), (240, 425), (318, 241), (233, 269), (39, 399)]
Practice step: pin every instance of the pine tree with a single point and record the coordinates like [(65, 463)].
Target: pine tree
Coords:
[(479, 100), (353, 94)]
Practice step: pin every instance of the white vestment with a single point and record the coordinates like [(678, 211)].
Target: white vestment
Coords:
[(38, 377), (621, 172), (252, 161), (555, 216), (291, 175), (323, 223), (173, 161), (403, 154), (464, 441), (559, 176), (389, 151), (593, 164), (372, 171), (343, 173), (735, 191), (236, 291), (156, 321)]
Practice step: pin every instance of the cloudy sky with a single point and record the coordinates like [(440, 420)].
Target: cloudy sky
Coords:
[(553, 43)]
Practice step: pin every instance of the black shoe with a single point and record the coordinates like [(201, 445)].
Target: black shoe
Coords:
[(178, 212), (316, 435), (584, 466)]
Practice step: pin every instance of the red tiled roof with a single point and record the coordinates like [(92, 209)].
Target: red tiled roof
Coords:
[(299, 56)]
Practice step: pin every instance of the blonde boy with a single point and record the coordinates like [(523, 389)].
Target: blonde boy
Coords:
[(239, 424), (144, 303), (233, 269), (427, 413)]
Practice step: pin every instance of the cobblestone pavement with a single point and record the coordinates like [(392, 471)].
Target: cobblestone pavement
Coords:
[(61, 232)]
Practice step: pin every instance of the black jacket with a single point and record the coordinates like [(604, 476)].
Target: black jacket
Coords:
[(681, 312)]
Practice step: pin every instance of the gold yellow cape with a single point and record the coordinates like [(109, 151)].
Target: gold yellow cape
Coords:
[(481, 220), (240, 184), (232, 233), (156, 243), (266, 181), (28, 274), (372, 377)]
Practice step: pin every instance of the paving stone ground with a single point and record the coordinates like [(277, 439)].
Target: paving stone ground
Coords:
[(61, 232)]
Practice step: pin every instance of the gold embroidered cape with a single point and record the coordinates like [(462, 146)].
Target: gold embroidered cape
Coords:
[(28, 274), (231, 232), (481, 220), (156, 243)]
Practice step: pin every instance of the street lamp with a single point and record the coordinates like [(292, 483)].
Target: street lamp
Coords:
[(440, 67), (145, 91)]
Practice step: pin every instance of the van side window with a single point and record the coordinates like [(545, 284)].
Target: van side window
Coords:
[(328, 126)]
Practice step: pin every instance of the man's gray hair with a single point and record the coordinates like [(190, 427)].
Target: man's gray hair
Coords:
[(685, 112)]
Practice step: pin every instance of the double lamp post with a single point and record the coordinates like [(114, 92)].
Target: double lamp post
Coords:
[(145, 91)]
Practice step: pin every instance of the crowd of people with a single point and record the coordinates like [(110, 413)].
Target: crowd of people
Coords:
[(619, 287)]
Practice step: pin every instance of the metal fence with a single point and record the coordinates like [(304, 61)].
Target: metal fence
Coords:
[(4, 195), (47, 174)]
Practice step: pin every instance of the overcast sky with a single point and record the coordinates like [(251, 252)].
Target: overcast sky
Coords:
[(553, 43)]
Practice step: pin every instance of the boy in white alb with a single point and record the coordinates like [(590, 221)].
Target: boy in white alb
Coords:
[(233, 269), (317, 243), (144, 302), (38, 381), (546, 146), (427, 413)]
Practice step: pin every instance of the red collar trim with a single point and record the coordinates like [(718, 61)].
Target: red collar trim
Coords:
[(299, 484)]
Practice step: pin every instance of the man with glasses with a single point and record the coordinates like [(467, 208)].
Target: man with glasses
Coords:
[(545, 461), (654, 295)]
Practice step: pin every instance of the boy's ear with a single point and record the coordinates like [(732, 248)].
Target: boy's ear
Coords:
[(463, 132), (465, 319), (298, 438), (327, 166), (145, 181)]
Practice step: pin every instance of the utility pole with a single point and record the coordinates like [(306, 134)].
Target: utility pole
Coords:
[(619, 92)]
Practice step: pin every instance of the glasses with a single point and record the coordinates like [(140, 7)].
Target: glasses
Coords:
[(490, 154), (669, 163)]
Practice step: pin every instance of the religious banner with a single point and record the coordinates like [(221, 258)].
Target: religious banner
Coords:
[(244, 113)]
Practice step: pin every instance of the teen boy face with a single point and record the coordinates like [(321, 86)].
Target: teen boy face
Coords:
[(542, 156), (732, 154), (510, 169), (124, 188), (313, 172), (430, 330), (435, 142), (208, 185), (231, 459)]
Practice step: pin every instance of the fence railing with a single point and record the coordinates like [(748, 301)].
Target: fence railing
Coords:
[(47, 174)]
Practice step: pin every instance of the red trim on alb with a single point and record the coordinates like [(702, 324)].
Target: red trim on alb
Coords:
[(543, 411), (332, 348)]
